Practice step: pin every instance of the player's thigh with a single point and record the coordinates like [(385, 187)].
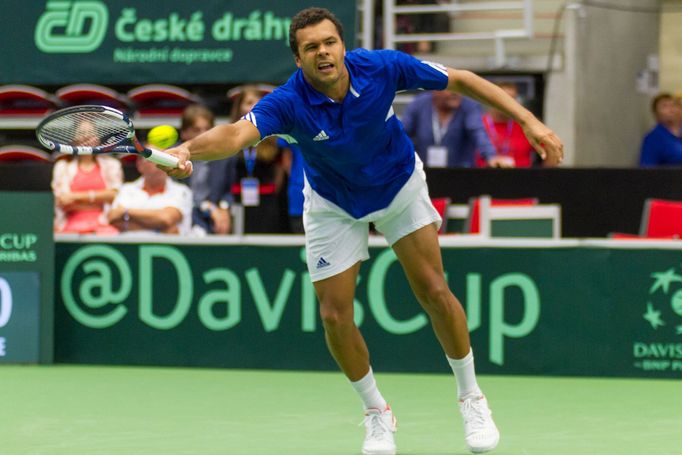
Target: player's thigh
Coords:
[(335, 242), (420, 256), (410, 211)]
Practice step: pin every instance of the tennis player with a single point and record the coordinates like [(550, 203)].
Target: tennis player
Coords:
[(361, 167)]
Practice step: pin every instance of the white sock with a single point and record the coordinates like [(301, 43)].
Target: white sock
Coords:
[(465, 374), (367, 389)]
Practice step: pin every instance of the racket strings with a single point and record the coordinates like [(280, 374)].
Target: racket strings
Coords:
[(86, 129)]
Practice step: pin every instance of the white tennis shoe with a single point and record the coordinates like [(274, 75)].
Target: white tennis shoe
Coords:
[(379, 426), (480, 433)]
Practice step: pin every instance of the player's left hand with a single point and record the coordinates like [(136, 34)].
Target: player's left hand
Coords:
[(545, 142)]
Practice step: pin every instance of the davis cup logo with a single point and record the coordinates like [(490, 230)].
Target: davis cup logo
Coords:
[(664, 305), (659, 351)]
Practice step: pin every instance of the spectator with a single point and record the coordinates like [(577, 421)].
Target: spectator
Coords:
[(260, 174), (507, 136), (663, 144), (211, 182), (292, 161), (84, 187), (446, 129), (153, 203)]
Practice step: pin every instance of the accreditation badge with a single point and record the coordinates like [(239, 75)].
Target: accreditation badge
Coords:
[(250, 192), (436, 156)]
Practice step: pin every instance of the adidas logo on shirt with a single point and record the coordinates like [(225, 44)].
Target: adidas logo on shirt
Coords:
[(322, 263), (321, 136)]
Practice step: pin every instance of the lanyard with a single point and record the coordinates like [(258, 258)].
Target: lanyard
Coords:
[(250, 160), (438, 130), (503, 148)]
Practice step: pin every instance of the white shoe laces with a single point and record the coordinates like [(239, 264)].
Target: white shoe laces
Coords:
[(377, 428), (475, 413)]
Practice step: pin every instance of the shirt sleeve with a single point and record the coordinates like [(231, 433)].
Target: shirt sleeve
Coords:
[(273, 114), (413, 74)]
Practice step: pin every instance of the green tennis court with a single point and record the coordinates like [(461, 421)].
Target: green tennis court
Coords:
[(78, 410)]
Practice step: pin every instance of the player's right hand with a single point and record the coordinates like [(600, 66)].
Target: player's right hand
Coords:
[(184, 168)]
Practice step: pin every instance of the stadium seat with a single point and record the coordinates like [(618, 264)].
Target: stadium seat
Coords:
[(233, 93), (661, 219), (25, 100), (78, 94), (161, 100), (17, 153)]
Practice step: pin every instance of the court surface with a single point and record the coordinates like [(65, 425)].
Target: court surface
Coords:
[(78, 410)]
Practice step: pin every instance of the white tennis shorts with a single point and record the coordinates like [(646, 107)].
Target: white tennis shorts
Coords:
[(335, 241)]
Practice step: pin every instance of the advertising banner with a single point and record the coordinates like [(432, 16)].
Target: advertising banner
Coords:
[(550, 311), (26, 277), (136, 42)]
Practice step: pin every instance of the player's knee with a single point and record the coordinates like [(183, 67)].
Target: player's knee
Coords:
[(437, 299), (334, 314)]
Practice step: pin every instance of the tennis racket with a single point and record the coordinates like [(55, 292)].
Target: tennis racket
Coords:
[(93, 130)]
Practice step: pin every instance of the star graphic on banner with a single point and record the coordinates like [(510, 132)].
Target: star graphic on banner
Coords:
[(663, 280), (653, 316)]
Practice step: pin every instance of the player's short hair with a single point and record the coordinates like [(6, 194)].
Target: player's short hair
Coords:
[(658, 98), (194, 112), (308, 17)]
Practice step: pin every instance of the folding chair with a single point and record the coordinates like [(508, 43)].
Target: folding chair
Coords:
[(514, 218), (661, 219)]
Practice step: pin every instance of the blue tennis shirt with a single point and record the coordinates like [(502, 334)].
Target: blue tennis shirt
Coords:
[(356, 153)]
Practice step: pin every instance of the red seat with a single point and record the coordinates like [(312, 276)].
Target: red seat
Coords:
[(473, 225), (161, 100), (78, 94), (25, 100), (661, 219), (15, 153)]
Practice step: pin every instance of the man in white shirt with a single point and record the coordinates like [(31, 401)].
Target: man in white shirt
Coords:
[(153, 203)]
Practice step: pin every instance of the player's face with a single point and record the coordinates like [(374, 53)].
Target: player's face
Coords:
[(320, 53)]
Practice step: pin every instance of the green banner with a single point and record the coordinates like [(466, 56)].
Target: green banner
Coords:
[(136, 42), (563, 311), (26, 277)]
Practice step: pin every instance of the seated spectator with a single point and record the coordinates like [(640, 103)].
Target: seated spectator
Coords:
[(153, 203), (260, 174), (211, 181), (84, 187), (663, 144), (507, 136), (447, 129)]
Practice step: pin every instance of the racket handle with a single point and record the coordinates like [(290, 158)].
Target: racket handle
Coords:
[(162, 158)]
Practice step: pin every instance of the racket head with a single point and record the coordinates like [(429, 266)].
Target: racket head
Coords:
[(88, 129)]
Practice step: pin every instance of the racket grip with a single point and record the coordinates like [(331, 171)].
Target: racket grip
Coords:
[(162, 158)]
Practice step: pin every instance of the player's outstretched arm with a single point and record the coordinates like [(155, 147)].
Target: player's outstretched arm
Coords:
[(544, 141), (217, 143)]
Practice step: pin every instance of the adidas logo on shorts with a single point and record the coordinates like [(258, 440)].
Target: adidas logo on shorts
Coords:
[(322, 263)]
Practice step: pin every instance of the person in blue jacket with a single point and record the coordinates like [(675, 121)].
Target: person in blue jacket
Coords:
[(662, 146)]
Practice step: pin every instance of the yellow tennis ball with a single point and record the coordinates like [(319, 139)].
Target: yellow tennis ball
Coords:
[(162, 136)]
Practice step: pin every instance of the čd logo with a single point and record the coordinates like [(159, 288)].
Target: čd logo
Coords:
[(71, 27)]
